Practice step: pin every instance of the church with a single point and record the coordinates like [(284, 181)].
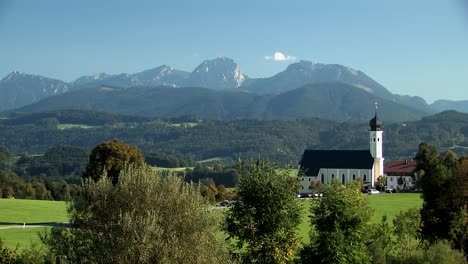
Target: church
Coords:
[(327, 166)]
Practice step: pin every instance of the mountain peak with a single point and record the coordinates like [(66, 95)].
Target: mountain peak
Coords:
[(218, 73), (14, 75), (304, 65)]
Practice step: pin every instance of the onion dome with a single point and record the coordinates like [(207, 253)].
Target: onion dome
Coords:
[(375, 123)]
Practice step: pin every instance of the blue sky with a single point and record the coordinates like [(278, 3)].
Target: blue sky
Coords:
[(417, 47)]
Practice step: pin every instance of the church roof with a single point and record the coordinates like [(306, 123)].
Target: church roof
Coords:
[(313, 160)]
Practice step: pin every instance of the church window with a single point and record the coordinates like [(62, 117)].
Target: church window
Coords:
[(374, 139), (342, 179), (364, 178), (333, 177), (354, 176), (310, 178), (391, 179), (378, 139), (310, 187), (322, 178)]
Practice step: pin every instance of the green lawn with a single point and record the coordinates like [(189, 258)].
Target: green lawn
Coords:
[(24, 237), (212, 160), (17, 211), (187, 124), (171, 169), (383, 204), (69, 126), (392, 203)]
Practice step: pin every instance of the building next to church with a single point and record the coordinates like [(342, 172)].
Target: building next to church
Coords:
[(345, 165), (401, 175)]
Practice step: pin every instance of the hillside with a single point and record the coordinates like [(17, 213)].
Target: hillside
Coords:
[(281, 141), (331, 101)]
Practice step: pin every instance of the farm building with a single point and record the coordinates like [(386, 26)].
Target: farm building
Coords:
[(401, 174)]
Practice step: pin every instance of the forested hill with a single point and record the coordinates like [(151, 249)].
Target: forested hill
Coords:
[(196, 139), (332, 101)]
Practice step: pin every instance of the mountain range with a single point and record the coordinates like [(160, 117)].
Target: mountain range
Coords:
[(303, 89)]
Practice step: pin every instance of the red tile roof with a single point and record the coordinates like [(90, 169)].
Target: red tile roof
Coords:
[(400, 167)]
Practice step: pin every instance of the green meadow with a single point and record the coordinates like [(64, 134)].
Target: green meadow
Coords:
[(17, 212), (70, 126)]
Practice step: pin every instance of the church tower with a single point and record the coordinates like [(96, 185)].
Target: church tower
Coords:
[(376, 146)]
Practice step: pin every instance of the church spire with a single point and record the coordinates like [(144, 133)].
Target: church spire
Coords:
[(375, 123)]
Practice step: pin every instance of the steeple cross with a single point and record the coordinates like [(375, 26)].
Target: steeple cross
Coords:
[(376, 105)]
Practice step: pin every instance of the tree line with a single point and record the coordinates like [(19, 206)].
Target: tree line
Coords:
[(193, 139)]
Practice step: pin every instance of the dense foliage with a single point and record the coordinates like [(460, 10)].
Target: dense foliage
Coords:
[(265, 216), (341, 221), (146, 217), (109, 158), (444, 184)]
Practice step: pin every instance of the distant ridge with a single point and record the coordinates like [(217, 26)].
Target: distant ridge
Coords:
[(332, 101), (223, 73)]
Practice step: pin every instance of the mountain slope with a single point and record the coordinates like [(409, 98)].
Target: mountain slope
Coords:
[(336, 101), (443, 105), (19, 89), (333, 101), (306, 72)]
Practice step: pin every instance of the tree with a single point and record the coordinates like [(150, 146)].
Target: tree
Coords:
[(146, 217), (381, 244), (381, 183), (407, 225), (8, 256), (266, 215), (341, 221), (436, 177), (6, 159), (111, 157)]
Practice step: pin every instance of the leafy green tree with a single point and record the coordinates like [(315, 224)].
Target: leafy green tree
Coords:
[(382, 243), (436, 177), (8, 256), (111, 157), (6, 159), (146, 217), (266, 215), (407, 225), (342, 223), (441, 252), (381, 183)]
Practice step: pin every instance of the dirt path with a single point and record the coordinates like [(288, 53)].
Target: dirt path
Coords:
[(34, 225)]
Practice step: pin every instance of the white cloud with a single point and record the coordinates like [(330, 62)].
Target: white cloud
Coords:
[(279, 56)]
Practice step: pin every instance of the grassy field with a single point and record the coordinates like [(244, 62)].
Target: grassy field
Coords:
[(24, 237), (171, 169), (17, 211), (14, 212), (30, 212), (187, 124), (391, 204), (70, 126), (383, 204)]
